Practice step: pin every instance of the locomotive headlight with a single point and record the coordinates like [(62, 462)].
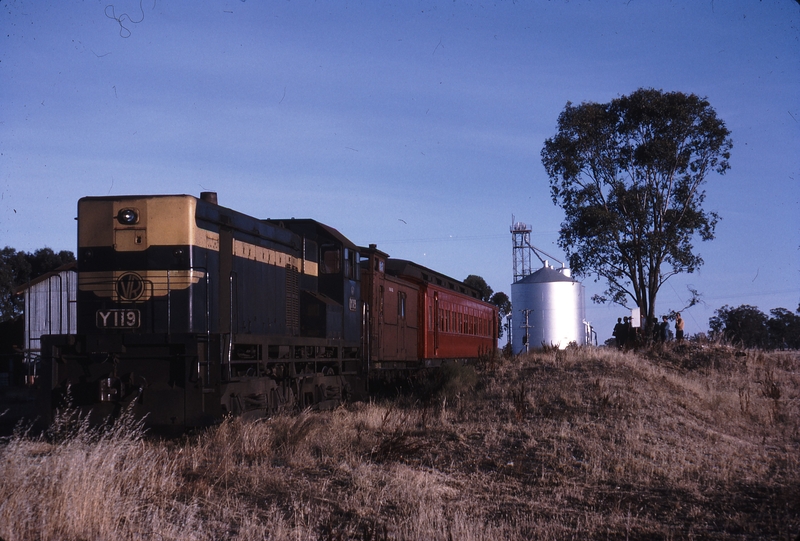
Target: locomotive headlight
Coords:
[(128, 216)]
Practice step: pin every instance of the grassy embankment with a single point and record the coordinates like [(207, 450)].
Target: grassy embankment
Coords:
[(693, 442)]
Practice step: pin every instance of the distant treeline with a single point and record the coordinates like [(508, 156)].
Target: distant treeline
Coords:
[(750, 327), (19, 267)]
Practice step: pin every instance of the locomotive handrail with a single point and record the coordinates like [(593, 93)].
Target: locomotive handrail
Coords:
[(169, 303), (208, 302), (233, 277), (208, 328), (366, 345)]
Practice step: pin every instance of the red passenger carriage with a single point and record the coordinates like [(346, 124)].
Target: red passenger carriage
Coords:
[(420, 317)]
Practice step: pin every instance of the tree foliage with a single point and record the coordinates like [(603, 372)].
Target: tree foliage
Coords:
[(18, 268), (750, 327), (503, 304), (629, 176), (784, 328), (480, 285)]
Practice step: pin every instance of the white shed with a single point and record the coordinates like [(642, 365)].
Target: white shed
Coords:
[(50, 307)]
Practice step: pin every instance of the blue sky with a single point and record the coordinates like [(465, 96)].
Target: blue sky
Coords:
[(416, 125)]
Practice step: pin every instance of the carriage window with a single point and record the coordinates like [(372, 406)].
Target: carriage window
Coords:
[(331, 259), (401, 304)]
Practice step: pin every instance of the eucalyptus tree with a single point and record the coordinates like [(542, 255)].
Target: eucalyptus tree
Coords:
[(479, 284), (503, 304), (629, 175)]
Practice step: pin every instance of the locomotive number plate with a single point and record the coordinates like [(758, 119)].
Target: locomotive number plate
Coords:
[(118, 319)]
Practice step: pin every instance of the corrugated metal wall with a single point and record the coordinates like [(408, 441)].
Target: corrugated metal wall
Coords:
[(50, 308)]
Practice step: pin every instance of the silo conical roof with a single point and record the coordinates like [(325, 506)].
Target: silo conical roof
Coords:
[(545, 275)]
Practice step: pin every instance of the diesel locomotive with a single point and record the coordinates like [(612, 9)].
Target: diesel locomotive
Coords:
[(188, 311)]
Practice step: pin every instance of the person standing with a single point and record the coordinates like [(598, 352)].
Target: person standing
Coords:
[(678, 327), (627, 332), (619, 333), (663, 330)]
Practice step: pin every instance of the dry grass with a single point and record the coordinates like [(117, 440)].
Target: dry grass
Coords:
[(693, 442)]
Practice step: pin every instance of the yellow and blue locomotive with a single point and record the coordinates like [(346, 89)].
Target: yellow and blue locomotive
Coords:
[(188, 311)]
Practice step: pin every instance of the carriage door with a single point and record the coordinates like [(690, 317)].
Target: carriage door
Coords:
[(379, 328), (436, 323), (401, 324)]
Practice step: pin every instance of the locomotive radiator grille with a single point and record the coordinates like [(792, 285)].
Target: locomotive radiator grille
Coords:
[(120, 286)]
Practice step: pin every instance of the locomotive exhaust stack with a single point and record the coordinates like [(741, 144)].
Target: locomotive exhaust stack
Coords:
[(209, 197)]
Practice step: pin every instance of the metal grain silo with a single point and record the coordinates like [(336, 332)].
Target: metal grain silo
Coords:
[(554, 303)]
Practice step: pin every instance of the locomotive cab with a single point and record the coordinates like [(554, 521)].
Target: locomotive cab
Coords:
[(331, 305)]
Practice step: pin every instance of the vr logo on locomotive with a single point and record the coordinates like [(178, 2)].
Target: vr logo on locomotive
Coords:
[(130, 286)]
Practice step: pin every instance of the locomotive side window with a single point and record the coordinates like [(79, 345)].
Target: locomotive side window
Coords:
[(351, 268), (331, 259), (348, 264), (310, 252)]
